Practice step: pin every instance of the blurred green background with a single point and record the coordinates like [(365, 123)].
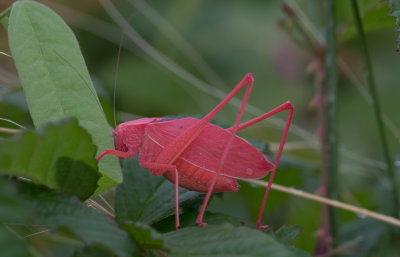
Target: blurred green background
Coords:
[(190, 49)]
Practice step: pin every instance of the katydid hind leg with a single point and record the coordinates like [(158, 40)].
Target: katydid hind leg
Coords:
[(172, 152), (247, 80), (287, 106)]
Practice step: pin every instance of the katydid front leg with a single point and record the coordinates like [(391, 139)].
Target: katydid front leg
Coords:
[(120, 154)]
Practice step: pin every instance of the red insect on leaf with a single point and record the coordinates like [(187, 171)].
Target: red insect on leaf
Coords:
[(194, 154)]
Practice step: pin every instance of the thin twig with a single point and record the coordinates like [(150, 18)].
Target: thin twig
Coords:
[(13, 122), (36, 233), (348, 207), (104, 200), (9, 130), (3, 53), (292, 145), (98, 206)]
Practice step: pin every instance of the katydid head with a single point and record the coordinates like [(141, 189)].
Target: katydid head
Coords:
[(128, 136)]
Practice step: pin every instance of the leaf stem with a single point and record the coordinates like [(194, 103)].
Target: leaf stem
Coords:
[(377, 109), (4, 18), (331, 113)]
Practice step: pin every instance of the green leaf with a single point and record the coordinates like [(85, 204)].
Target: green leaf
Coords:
[(4, 17), (394, 11), (144, 235), (374, 16), (53, 244), (11, 245), (286, 234), (92, 252), (226, 240), (63, 213), (63, 157), (55, 78), (188, 218), (12, 211), (144, 197)]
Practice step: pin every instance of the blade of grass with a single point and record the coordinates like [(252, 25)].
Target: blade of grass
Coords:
[(169, 32), (377, 109)]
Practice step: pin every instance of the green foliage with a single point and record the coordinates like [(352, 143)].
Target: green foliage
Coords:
[(286, 234), (67, 214), (11, 245), (92, 252), (146, 198), (374, 17), (62, 157), (394, 11), (224, 240), (67, 217), (12, 210), (145, 236), (50, 219), (55, 78)]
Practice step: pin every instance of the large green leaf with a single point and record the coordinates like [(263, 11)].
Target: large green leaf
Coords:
[(63, 213), (226, 240), (63, 157), (92, 252), (146, 198), (189, 216), (55, 78)]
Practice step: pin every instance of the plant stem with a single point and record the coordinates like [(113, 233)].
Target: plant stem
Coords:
[(331, 113), (377, 109), (9, 130), (334, 203)]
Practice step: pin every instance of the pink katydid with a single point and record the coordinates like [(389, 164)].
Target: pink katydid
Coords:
[(197, 155)]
